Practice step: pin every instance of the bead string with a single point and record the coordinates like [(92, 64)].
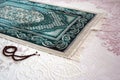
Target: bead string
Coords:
[(12, 53)]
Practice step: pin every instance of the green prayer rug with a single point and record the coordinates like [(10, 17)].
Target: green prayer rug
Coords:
[(50, 28)]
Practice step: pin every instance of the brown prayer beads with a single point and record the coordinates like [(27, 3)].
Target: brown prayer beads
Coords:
[(13, 55)]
